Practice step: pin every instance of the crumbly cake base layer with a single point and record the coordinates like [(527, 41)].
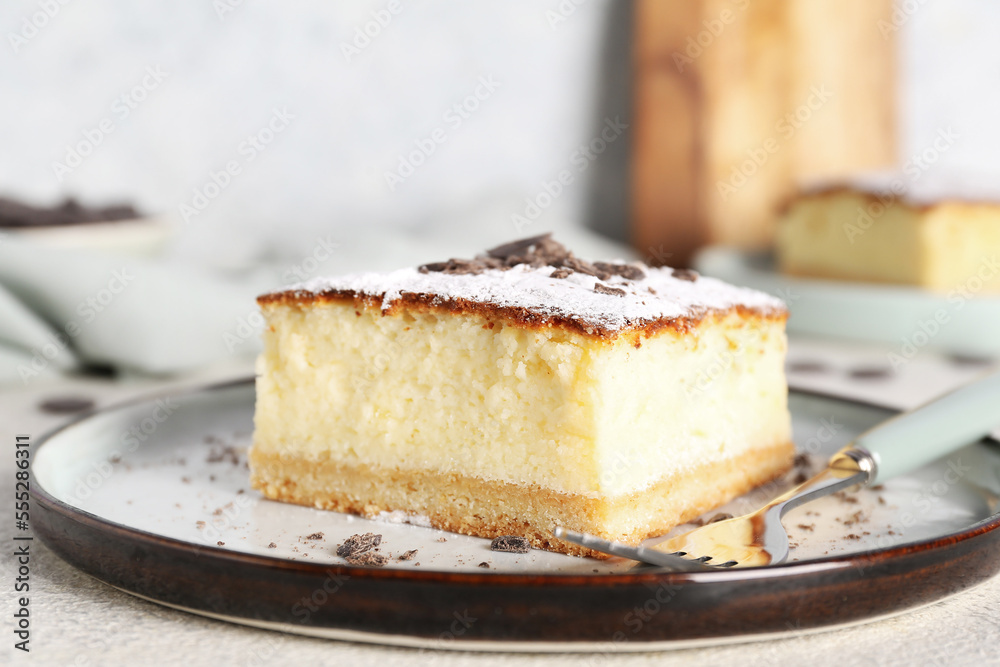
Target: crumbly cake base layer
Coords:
[(473, 506)]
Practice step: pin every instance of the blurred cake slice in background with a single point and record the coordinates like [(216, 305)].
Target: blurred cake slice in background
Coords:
[(879, 231), (70, 224)]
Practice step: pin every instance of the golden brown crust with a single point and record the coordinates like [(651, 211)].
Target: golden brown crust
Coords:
[(508, 315), (489, 509), (872, 196)]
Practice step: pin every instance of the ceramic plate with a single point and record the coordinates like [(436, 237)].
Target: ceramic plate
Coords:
[(152, 497), (911, 319)]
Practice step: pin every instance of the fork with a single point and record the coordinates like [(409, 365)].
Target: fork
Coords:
[(894, 447)]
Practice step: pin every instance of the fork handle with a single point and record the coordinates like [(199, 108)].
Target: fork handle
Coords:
[(934, 429)]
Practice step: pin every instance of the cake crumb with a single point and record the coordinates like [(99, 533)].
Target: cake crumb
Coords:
[(484, 564), (371, 558), (511, 544), (357, 544), (314, 536), (407, 555), (272, 545), (808, 526), (442, 539), (221, 543)]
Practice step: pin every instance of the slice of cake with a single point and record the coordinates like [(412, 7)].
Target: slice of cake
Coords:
[(887, 236), (521, 390)]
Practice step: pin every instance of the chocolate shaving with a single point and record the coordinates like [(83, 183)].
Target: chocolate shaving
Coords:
[(512, 248), (454, 266), (407, 555), (583, 266), (536, 251), (601, 288), (356, 544), (369, 558), (627, 271), (510, 544), (685, 274)]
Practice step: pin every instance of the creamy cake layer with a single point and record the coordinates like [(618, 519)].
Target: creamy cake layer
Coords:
[(485, 395), (854, 235)]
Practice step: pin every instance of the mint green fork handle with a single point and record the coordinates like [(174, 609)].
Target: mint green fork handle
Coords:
[(914, 438)]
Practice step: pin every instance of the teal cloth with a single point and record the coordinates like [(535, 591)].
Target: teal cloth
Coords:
[(62, 309)]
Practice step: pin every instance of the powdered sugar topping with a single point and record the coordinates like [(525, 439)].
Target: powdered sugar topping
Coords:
[(656, 296)]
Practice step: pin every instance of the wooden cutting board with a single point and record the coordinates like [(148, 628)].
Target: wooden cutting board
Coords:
[(736, 102)]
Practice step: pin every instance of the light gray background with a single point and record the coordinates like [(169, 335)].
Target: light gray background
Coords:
[(559, 77)]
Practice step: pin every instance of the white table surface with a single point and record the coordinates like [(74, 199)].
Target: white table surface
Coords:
[(77, 620)]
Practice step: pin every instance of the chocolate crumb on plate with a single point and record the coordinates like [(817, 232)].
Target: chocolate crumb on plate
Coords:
[(870, 372), (64, 405), (272, 545), (601, 288), (807, 366), (370, 558), (357, 544), (314, 536), (484, 564), (970, 360), (510, 544), (221, 543), (808, 526), (407, 555), (227, 453)]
